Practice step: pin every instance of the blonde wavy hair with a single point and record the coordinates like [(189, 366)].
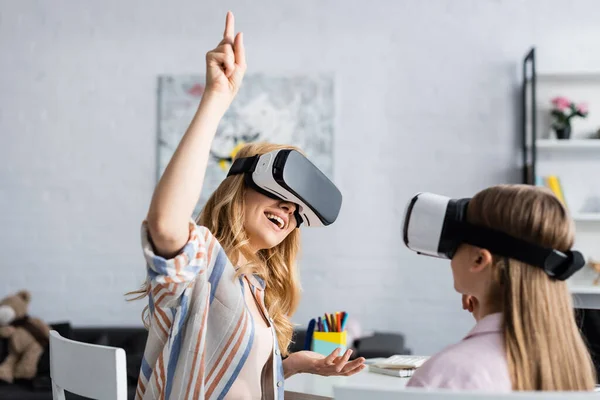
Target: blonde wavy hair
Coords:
[(223, 215), (544, 347)]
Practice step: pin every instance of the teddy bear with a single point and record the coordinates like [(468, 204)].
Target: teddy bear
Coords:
[(27, 338)]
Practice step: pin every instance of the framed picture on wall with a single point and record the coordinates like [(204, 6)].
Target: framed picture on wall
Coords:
[(297, 110)]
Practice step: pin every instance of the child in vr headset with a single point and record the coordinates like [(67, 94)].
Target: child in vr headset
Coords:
[(510, 247), (222, 289)]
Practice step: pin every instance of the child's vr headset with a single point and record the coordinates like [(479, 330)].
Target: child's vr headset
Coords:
[(288, 175), (436, 225)]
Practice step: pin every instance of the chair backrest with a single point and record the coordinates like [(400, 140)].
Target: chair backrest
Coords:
[(94, 371), (348, 392)]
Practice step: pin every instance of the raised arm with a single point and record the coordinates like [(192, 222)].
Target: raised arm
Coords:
[(179, 188)]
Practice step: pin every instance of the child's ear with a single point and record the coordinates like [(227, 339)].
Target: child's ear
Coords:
[(481, 259)]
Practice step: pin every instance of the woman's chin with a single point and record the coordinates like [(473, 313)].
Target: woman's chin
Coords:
[(266, 241), (269, 244)]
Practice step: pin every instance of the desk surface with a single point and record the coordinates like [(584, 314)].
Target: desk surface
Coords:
[(308, 386)]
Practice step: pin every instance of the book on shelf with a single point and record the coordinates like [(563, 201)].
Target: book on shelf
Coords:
[(552, 182)]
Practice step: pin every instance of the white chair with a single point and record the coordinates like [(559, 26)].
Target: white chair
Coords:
[(356, 393), (94, 371)]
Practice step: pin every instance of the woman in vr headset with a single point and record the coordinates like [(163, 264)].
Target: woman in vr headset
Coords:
[(221, 289), (526, 337)]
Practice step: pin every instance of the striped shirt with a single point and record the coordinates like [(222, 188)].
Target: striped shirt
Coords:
[(201, 331)]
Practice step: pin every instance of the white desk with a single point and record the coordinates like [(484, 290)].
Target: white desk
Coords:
[(308, 386), (315, 387)]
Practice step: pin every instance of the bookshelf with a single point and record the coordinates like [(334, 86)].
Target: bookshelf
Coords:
[(586, 217), (584, 289), (585, 296), (568, 77), (573, 163), (569, 145)]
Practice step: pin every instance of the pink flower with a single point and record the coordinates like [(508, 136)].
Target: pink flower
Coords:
[(582, 108), (561, 103)]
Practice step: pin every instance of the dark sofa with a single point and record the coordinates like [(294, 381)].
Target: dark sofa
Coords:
[(132, 340)]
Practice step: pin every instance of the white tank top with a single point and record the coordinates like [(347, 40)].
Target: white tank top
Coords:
[(247, 386)]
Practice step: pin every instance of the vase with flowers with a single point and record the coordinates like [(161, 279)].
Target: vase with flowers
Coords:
[(563, 110)]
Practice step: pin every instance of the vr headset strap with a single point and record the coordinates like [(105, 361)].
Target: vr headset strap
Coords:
[(556, 264), (243, 165)]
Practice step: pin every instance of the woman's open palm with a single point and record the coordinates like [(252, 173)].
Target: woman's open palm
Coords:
[(226, 64)]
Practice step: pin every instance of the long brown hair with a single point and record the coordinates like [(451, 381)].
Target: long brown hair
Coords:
[(544, 347), (223, 215)]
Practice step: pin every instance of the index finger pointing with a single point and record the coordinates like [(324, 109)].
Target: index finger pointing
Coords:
[(229, 27)]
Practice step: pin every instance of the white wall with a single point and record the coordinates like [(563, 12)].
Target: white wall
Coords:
[(427, 101)]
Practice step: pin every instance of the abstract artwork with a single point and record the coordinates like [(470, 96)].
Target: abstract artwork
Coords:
[(296, 110)]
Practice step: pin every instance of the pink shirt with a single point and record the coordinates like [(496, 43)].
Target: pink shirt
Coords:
[(478, 362)]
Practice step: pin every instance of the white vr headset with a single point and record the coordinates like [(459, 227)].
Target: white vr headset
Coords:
[(436, 225), (288, 175)]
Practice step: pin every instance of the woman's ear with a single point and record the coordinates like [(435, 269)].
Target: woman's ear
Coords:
[(481, 258)]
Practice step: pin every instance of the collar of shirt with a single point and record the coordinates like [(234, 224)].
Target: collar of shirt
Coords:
[(257, 285), (491, 323), (256, 281)]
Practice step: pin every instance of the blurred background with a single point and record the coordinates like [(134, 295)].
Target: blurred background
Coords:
[(418, 96)]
